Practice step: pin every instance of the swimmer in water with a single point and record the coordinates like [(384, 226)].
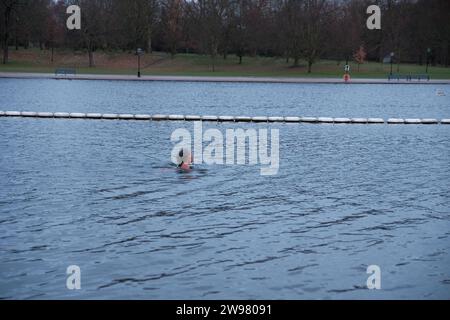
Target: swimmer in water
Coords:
[(184, 159)]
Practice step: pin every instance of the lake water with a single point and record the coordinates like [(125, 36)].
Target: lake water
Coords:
[(102, 195)]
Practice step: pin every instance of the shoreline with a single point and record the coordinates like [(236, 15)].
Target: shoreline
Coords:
[(231, 79)]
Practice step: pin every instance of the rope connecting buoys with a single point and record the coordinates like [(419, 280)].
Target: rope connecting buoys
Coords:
[(258, 119)]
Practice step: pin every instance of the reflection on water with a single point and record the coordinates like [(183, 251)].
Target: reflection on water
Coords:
[(102, 195)]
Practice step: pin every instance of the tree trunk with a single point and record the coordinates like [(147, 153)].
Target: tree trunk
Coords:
[(91, 55), (91, 59), (310, 66), (149, 39), (16, 39), (214, 52), (149, 45), (6, 36)]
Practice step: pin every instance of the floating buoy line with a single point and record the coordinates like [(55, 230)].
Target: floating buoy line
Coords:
[(162, 117)]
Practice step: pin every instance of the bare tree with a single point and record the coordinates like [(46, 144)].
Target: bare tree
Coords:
[(172, 14), (8, 8)]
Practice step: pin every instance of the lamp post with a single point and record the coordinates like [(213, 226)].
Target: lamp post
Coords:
[(392, 60), (139, 52), (428, 58)]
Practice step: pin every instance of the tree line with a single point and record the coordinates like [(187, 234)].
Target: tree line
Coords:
[(297, 30)]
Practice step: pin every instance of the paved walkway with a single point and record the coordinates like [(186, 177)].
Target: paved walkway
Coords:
[(15, 75)]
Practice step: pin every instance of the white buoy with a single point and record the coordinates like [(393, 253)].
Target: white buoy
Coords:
[(160, 117), (176, 117), (126, 116), (45, 114), (430, 121), (144, 117), (359, 120), (276, 119), (27, 114), (375, 121), (226, 118), (413, 121), (342, 120), (78, 115), (12, 113), (210, 118), (395, 121), (243, 119), (325, 120), (110, 116), (61, 115), (259, 119), (292, 119), (193, 118), (309, 119), (93, 115)]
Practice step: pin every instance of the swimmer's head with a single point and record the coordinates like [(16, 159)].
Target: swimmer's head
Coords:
[(184, 157)]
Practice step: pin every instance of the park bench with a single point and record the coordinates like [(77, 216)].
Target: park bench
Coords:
[(65, 71), (409, 77), (399, 77), (420, 77)]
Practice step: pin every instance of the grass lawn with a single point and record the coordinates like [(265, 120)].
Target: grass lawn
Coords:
[(35, 60)]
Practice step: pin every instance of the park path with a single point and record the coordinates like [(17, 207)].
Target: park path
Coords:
[(17, 75)]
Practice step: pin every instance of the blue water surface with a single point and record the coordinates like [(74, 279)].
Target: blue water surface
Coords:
[(102, 195)]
